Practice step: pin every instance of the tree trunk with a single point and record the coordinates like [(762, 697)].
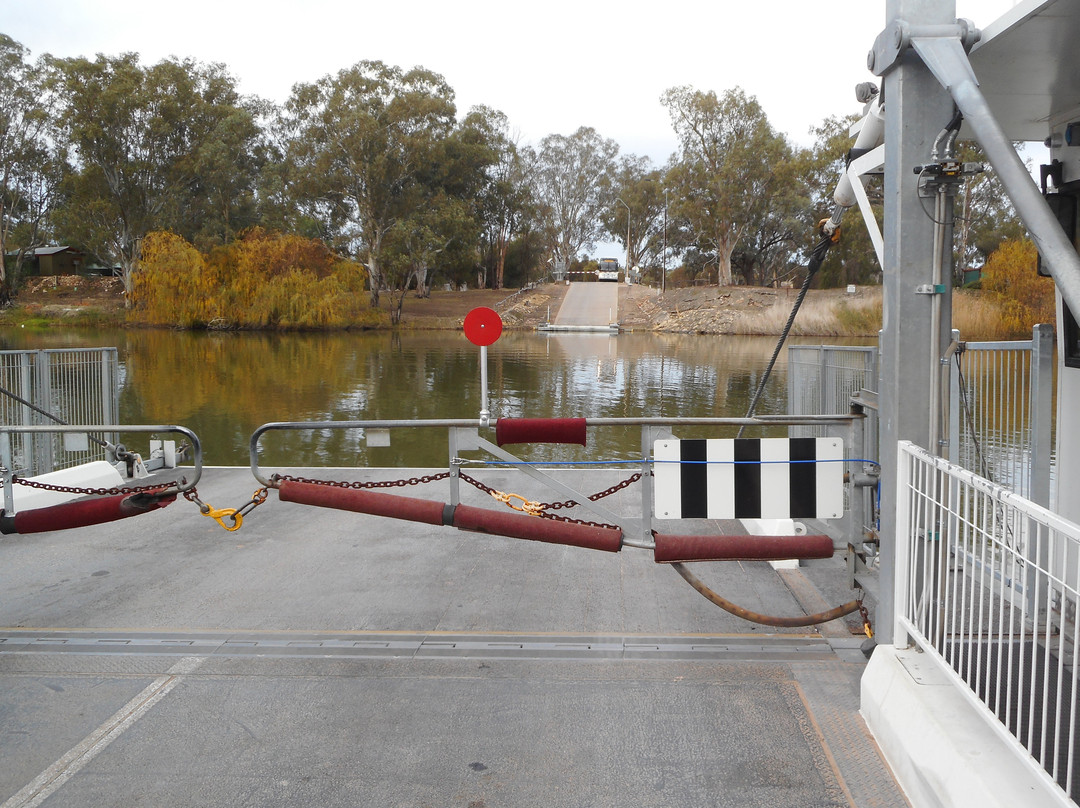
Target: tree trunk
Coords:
[(375, 279), (726, 246), (396, 307), (501, 248), (423, 288)]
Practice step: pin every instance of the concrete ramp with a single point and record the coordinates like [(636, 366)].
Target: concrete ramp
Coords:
[(588, 307)]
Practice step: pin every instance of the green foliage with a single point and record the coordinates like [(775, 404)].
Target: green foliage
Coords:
[(162, 147), (32, 159), (638, 211), (263, 280), (573, 184), (359, 146), (734, 176)]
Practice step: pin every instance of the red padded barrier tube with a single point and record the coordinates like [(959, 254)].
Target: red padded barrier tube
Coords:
[(671, 549), (465, 517), (540, 430), (85, 512), (523, 526), (362, 501)]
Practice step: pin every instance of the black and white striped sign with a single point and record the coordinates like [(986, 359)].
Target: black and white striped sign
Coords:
[(753, 478)]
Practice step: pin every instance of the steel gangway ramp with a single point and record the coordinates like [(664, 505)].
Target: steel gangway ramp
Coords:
[(339, 659)]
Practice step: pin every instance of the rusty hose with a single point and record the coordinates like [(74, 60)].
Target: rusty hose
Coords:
[(764, 619)]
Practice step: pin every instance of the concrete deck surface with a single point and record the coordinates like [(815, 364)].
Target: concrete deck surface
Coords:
[(324, 658)]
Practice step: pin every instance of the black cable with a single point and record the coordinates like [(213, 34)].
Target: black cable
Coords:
[(817, 258)]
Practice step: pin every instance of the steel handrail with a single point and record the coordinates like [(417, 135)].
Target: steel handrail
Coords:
[(181, 486), (467, 423)]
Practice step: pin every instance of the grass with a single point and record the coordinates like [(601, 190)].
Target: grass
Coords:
[(833, 316), (976, 314)]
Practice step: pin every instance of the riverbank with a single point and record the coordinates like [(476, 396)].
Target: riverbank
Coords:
[(87, 301), (77, 300)]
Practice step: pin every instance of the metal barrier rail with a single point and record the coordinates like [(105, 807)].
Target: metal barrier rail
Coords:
[(1001, 415), (987, 587), (77, 385), (184, 486), (464, 435)]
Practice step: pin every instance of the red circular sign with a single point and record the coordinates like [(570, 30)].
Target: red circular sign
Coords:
[(483, 326)]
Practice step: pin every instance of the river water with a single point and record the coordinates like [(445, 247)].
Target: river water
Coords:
[(224, 385)]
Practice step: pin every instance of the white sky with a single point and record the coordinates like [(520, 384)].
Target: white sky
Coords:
[(551, 67)]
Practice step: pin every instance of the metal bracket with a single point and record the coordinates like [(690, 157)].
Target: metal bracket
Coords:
[(897, 36), (861, 576), (930, 289)]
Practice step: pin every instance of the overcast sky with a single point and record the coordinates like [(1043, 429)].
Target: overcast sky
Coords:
[(551, 67)]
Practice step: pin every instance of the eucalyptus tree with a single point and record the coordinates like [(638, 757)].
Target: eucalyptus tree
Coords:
[(505, 195), (573, 187), (357, 144), (636, 216), (852, 259), (727, 170), (31, 157), (148, 144)]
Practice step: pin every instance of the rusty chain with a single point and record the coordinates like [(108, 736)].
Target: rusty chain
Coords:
[(236, 515), (541, 508), (868, 629), (427, 478), (97, 492)]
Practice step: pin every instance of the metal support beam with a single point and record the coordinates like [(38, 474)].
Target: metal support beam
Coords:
[(916, 109), (948, 62)]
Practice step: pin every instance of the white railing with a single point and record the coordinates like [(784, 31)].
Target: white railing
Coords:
[(987, 586)]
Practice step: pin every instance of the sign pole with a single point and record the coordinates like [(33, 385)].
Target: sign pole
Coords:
[(482, 327)]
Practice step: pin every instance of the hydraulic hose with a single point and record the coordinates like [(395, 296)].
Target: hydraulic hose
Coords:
[(764, 619)]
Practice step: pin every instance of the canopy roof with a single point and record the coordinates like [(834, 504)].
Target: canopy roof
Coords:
[(1028, 66)]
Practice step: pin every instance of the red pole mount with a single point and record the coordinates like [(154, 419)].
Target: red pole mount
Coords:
[(83, 512), (672, 549)]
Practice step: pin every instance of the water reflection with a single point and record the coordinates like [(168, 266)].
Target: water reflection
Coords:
[(224, 385)]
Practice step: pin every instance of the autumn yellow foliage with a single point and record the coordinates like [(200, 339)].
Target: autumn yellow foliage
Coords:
[(262, 280), (1022, 296)]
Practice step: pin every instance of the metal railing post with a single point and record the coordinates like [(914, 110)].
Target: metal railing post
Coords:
[(1042, 393), (953, 453), (8, 469), (44, 451), (901, 556)]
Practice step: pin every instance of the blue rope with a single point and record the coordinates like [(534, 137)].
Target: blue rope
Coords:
[(767, 462), (653, 461)]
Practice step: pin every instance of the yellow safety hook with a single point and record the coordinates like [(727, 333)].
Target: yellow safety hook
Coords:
[(219, 515), (526, 506)]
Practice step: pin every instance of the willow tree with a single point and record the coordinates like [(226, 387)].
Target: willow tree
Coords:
[(727, 171), (357, 145)]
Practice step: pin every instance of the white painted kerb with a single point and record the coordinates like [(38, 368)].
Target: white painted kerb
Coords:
[(941, 749)]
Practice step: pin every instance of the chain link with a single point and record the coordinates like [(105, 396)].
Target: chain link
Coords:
[(868, 629), (98, 492), (542, 508), (427, 478), (570, 503)]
